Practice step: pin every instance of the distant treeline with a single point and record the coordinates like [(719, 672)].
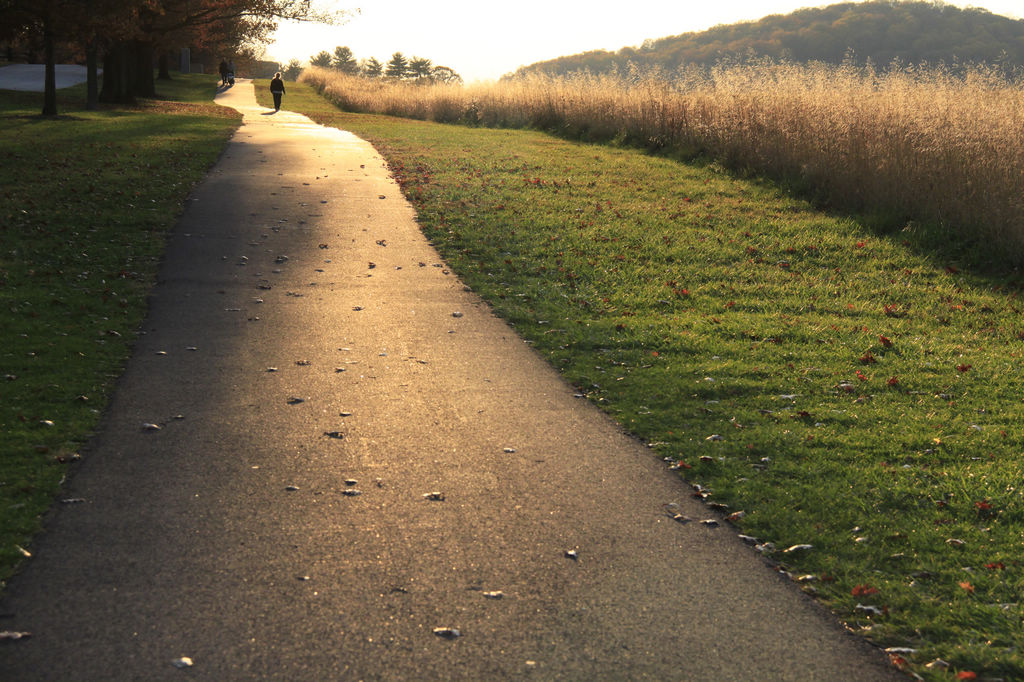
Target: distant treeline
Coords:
[(882, 31), (399, 67)]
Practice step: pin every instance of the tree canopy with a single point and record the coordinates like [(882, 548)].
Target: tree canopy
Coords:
[(129, 33), (882, 31)]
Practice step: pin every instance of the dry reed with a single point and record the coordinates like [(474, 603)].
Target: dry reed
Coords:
[(910, 144)]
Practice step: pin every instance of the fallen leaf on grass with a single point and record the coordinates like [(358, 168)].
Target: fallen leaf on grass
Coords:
[(869, 610), (797, 548)]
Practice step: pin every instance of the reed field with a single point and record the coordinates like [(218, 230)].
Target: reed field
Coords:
[(903, 146)]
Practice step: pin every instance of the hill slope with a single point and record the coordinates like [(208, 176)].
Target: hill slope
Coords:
[(881, 31)]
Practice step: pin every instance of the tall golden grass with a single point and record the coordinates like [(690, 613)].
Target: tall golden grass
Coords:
[(912, 144)]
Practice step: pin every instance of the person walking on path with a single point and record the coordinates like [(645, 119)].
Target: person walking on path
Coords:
[(223, 68), (277, 89)]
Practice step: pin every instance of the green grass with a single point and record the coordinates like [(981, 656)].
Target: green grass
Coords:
[(856, 391), (86, 200)]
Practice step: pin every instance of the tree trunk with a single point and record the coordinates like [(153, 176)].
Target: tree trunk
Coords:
[(144, 85), (163, 64), (91, 80), (50, 81), (118, 75)]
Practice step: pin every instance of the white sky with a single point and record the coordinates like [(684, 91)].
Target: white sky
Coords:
[(485, 39)]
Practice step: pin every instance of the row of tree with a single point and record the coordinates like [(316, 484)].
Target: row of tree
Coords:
[(399, 67), (133, 36)]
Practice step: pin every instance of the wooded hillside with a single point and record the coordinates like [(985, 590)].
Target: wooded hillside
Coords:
[(912, 32)]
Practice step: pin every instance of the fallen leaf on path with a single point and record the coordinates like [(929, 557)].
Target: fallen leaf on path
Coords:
[(183, 662), (351, 492), (151, 427), (572, 554), (497, 594), (295, 401), (446, 633), (12, 636), (435, 496), (334, 434)]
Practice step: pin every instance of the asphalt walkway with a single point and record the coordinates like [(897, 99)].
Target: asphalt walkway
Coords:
[(327, 460)]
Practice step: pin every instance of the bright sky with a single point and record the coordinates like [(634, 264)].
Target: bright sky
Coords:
[(485, 39)]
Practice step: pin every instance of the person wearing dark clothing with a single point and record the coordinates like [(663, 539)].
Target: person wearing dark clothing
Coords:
[(231, 72), (277, 89), (223, 72)]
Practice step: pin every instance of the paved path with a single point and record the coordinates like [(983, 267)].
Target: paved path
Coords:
[(233, 536), (32, 77)]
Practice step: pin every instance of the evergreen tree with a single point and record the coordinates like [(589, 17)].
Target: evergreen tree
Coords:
[(398, 67), (292, 70), (322, 59), (420, 68), (372, 68), (344, 61)]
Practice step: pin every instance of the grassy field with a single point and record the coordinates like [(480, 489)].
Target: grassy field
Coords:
[(826, 384), (86, 200)]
